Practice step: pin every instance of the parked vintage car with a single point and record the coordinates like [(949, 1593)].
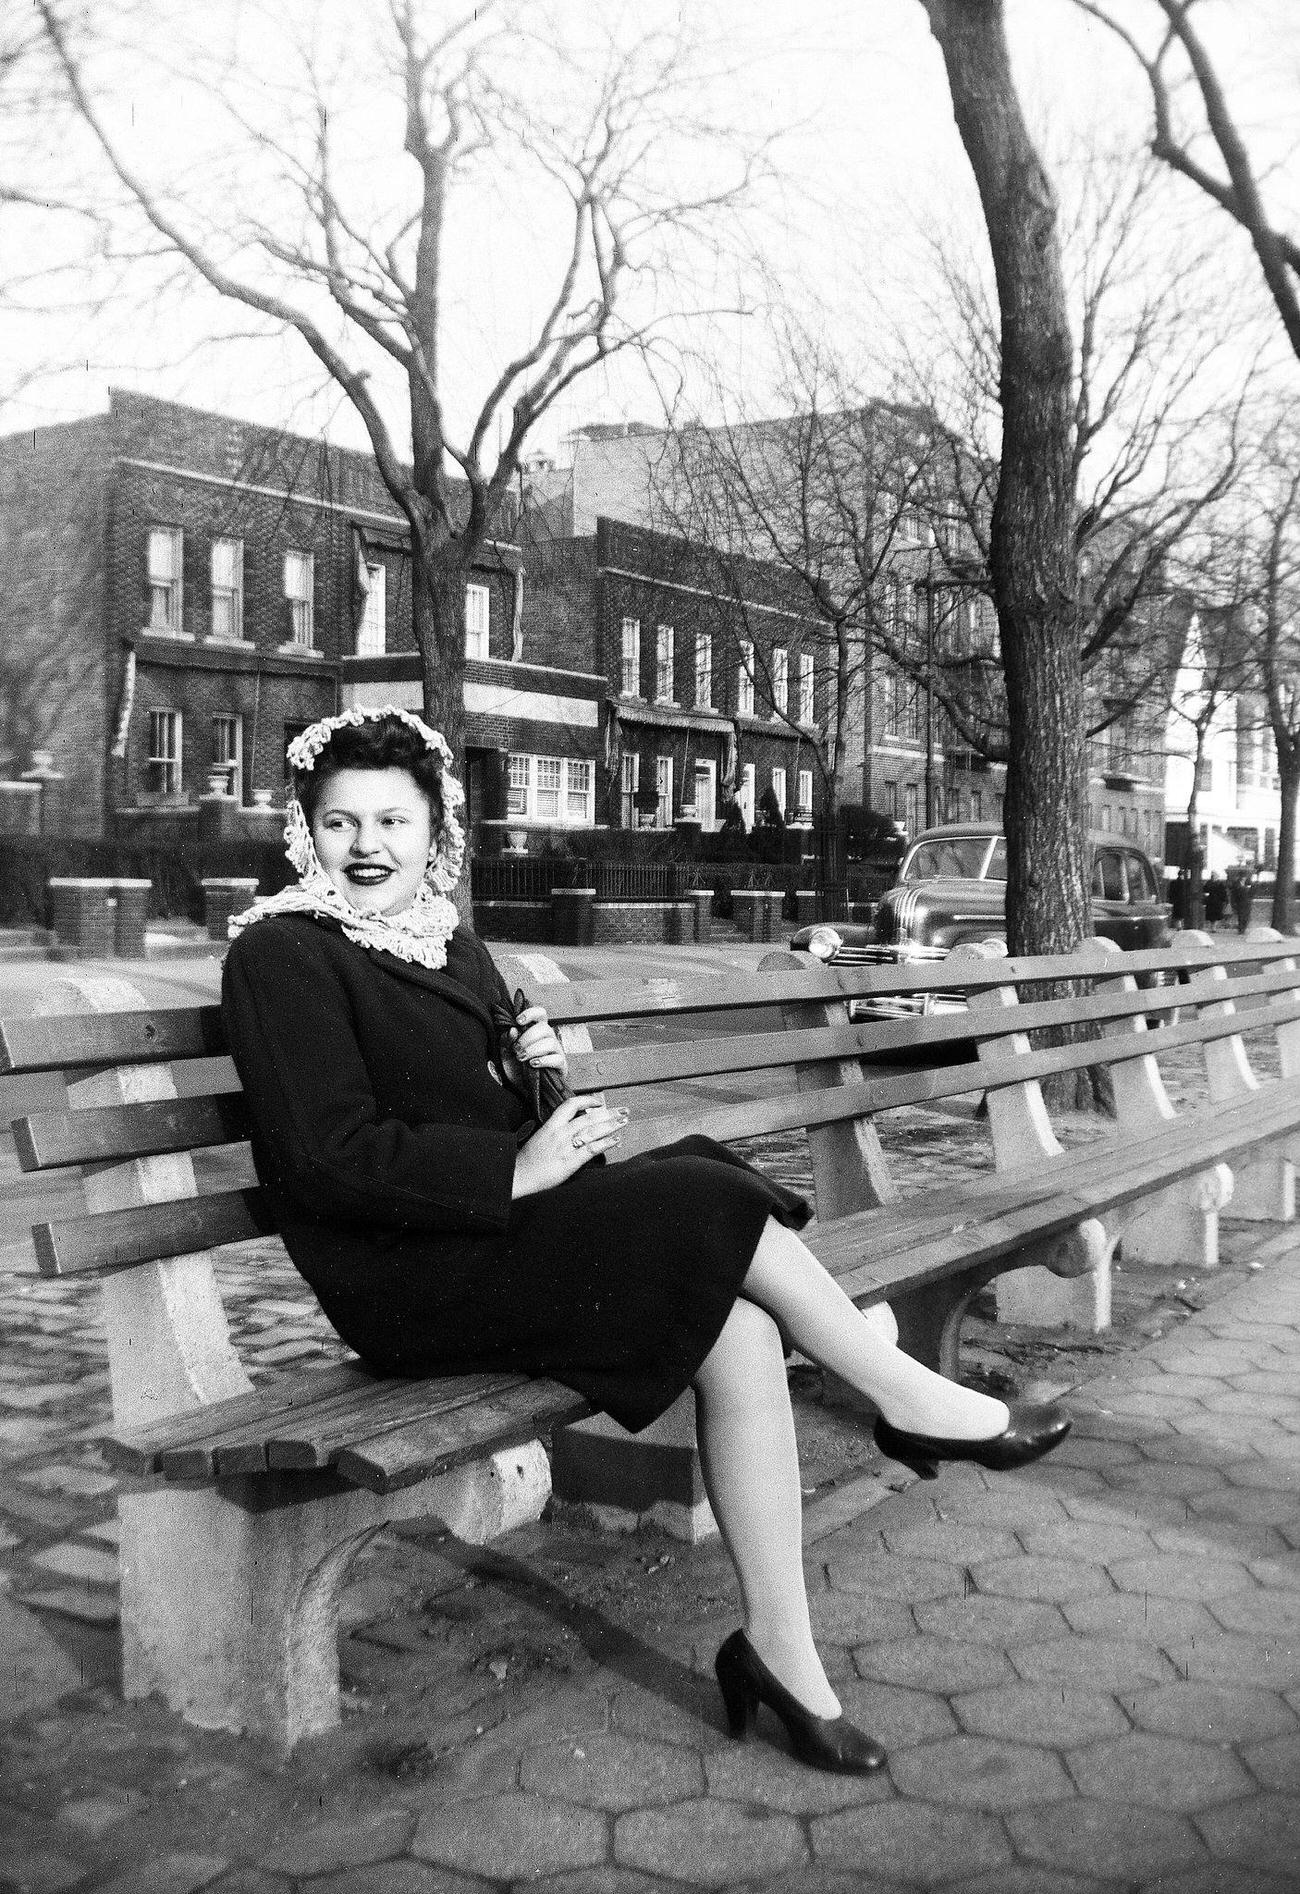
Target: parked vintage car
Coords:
[(951, 888)]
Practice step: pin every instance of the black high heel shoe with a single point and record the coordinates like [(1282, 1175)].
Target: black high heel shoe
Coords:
[(823, 1742), (1033, 1430)]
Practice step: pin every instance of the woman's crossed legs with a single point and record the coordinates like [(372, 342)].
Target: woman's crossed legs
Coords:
[(747, 1440)]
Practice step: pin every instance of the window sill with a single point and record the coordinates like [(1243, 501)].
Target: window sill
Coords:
[(167, 637), (230, 644), (294, 650)]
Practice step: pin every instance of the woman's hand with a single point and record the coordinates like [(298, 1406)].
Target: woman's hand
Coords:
[(574, 1133), (534, 1041)]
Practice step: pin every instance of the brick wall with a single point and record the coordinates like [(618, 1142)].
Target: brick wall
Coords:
[(56, 660)]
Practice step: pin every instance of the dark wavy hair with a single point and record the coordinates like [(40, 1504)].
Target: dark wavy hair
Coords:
[(379, 743)]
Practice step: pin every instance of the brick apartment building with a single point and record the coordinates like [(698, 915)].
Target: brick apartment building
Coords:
[(715, 680), (189, 591)]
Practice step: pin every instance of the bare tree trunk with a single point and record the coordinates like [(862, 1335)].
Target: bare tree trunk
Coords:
[(438, 602), (1284, 887), (1032, 550)]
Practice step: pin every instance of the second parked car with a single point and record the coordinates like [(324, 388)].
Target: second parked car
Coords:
[(951, 888)]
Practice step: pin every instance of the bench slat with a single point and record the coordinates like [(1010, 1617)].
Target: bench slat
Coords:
[(788, 1111), (634, 999), (317, 1439), (628, 1066), (140, 1450), (153, 1033), (119, 1239), (45, 1140), (430, 1447)]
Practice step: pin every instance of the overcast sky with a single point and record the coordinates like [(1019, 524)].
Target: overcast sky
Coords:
[(868, 166)]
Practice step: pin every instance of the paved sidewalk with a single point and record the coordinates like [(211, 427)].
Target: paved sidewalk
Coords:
[(1087, 1676)]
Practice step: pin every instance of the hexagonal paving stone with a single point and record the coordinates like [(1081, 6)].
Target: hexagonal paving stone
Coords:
[(952, 1541), (1241, 1401), (917, 1841), (891, 1575), (1282, 1571), (988, 1620), (1125, 1615), (709, 1843), (1002, 1502), (1180, 1575), (1228, 1657), (611, 1772), (1097, 1539), (1252, 1507), (1263, 1832), (1217, 1713), (761, 1775), (511, 1836), (897, 1718), (1093, 1455), (1171, 1406), (1275, 1763), (1048, 1579), (933, 1663), (1176, 1381), (1270, 1613), (1282, 1476), (1118, 1841), (854, 1617), (811, 1879), (1096, 1663), (1163, 1771), (980, 1772), (1051, 1714), (1168, 1478)]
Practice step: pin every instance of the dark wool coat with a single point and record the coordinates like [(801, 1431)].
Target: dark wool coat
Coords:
[(385, 1138)]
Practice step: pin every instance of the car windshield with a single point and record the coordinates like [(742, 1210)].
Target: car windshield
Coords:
[(953, 857)]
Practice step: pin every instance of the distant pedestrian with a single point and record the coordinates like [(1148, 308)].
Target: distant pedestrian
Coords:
[(1243, 895), (1216, 900)]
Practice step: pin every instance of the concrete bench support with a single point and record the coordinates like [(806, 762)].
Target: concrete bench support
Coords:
[(200, 1568)]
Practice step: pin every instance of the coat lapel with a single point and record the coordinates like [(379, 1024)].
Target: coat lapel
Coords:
[(440, 983)]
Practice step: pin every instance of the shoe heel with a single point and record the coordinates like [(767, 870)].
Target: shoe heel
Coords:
[(739, 1694)]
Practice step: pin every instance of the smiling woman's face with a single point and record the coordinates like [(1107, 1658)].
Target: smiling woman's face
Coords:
[(373, 829)]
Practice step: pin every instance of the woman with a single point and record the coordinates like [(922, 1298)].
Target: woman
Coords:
[(442, 1229)]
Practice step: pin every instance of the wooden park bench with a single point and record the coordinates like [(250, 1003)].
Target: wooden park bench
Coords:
[(248, 1505)]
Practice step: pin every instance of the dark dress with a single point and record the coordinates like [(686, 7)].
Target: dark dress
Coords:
[(385, 1138)]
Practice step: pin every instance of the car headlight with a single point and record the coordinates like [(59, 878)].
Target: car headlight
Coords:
[(824, 943)]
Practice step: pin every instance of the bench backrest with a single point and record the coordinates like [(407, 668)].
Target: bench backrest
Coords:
[(783, 1030)]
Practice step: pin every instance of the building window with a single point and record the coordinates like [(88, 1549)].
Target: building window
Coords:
[(551, 789), (579, 793), (912, 809), (163, 775), (778, 788), (805, 792), (518, 783), (911, 526), (550, 781), (805, 687), (664, 784), (780, 679), (227, 751), (631, 681), (299, 589), (165, 580), (227, 572), (372, 631), (703, 671), (747, 794), (629, 782), (477, 615), (976, 805), (664, 664), (1205, 775), (745, 680)]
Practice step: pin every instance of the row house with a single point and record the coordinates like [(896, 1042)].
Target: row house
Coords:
[(191, 591), (716, 685)]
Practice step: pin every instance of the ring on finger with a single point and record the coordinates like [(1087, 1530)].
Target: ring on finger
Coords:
[(577, 1142)]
